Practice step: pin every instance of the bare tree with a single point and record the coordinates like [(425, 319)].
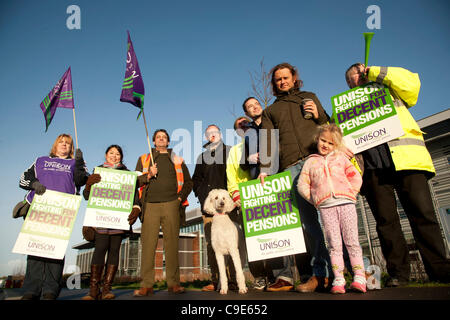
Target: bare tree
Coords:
[(232, 111), (261, 85)]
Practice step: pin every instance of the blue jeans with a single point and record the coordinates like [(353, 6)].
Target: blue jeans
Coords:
[(312, 231)]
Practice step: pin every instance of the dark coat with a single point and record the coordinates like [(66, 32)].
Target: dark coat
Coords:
[(296, 134), (251, 144), (210, 171)]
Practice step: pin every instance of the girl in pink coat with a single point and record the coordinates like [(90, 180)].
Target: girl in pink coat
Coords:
[(331, 183)]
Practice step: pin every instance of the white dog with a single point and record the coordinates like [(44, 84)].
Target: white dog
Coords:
[(224, 236)]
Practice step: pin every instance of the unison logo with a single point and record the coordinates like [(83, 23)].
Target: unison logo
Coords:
[(270, 244), (365, 137), (104, 218), (40, 245)]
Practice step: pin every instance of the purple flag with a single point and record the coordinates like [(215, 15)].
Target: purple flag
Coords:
[(59, 97), (133, 85)]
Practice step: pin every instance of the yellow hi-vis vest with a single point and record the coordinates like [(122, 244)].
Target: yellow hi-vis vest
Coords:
[(177, 161), (408, 152)]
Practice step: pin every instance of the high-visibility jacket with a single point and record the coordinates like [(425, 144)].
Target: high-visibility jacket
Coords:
[(235, 173), (408, 152), (177, 161)]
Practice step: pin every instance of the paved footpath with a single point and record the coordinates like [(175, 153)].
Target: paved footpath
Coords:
[(194, 304), (402, 293)]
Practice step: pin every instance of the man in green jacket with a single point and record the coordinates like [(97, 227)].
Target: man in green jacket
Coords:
[(404, 165), (295, 142)]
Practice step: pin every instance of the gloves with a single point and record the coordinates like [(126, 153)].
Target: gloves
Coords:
[(78, 155), (79, 161), (38, 187), (134, 215), (93, 179)]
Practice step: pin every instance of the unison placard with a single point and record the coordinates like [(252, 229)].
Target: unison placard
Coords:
[(111, 200), (271, 219), (366, 116), (48, 225)]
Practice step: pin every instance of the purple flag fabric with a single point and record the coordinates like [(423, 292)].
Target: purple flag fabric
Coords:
[(59, 97), (133, 85)]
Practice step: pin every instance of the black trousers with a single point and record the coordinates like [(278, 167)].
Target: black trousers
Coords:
[(43, 276), (415, 197), (259, 268), (105, 243)]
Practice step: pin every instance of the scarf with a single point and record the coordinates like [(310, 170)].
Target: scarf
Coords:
[(113, 166)]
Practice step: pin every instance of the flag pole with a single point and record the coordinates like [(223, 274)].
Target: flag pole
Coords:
[(75, 126), (73, 110), (148, 140)]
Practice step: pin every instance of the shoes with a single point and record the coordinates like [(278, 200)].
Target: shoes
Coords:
[(338, 286), (260, 284), (312, 284), (29, 296), (48, 296), (338, 289), (359, 284), (143, 292), (396, 282), (176, 289), (209, 288), (445, 278), (280, 285)]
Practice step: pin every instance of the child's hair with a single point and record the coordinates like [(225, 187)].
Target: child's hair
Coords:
[(335, 132)]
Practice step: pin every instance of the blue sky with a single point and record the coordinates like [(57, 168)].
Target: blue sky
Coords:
[(195, 57)]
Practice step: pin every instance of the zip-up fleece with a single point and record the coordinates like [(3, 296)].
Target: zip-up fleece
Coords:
[(324, 177)]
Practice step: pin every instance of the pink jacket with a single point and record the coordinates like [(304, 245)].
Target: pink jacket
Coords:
[(322, 177)]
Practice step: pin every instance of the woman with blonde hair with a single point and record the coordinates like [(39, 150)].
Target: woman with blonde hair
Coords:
[(58, 171)]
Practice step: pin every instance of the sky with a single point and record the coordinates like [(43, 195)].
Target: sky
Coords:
[(195, 58)]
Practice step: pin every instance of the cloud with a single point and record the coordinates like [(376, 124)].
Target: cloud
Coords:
[(16, 266)]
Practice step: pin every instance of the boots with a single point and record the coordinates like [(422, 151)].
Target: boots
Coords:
[(107, 282), (94, 285)]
